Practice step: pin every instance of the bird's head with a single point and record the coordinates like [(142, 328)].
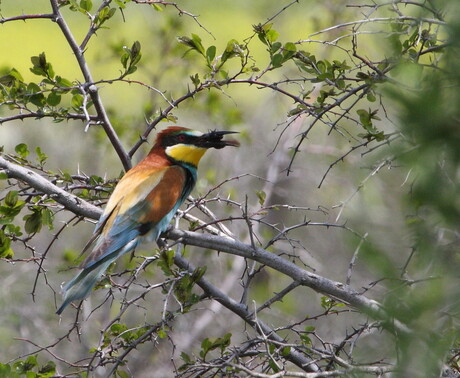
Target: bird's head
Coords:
[(188, 146)]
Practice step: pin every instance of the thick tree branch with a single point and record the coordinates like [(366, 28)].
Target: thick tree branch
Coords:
[(69, 201), (333, 289)]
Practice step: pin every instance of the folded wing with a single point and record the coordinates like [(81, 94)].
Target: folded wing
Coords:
[(141, 206)]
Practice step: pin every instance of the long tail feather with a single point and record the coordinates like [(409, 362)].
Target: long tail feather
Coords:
[(81, 285)]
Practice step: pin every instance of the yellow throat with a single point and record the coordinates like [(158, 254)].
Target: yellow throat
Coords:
[(186, 153)]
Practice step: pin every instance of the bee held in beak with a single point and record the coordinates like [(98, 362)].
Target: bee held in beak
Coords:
[(214, 139)]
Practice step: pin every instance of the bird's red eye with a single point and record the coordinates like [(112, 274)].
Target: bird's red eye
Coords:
[(181, 138)]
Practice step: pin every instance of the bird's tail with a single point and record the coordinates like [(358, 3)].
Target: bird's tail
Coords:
[(81, 285)]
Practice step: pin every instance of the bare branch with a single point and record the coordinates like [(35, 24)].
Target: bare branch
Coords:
[(380, 19), (318, 283), (37, 115), (25, 17), (241, 310)]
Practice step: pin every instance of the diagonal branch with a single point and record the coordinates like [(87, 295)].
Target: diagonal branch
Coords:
[(334, 289), (242, 311), (68, 200)]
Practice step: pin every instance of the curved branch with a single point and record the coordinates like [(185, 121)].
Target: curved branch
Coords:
[(380, 19)]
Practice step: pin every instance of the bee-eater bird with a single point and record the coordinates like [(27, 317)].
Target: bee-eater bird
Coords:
[(144, 202)]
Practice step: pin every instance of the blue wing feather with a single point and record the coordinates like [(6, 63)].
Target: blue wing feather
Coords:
[(121, 235)]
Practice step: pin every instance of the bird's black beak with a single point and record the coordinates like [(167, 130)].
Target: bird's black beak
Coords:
[(214, 139)]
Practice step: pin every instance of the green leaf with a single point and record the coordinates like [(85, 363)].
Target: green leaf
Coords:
[(195, 80), (165, 261), (261, 195), (273, 366), (38, 100), (41, 67), (48, 370), (210, 54), (22, 367), (275, 47), (33, 88), (40, 155), (53, 99), (13, 230), (135, 53), (63, 82), (15, 73), (124, 60), (77, 101), (118, 328), (219, 343), (371, 96), (171, 118), (260, 33), (122, 374), (285, 351), (306, 340), (157, 7), (5, 246), (289, 50), (272, 35), (233, 49), (198, 273), (86, 5), (162, 334), (22, 150), (12, 77), (197, 42), (48, 218), (95, 180), (33, 222), (7, 372), (277, 60), (205, 347), (185, 357), (131, 70), (121, 3), (11, 199), (104, 14), (3, 176), (194, 43), (12, 207)]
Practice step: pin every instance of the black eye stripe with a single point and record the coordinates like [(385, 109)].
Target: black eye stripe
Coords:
[(172, 140)]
